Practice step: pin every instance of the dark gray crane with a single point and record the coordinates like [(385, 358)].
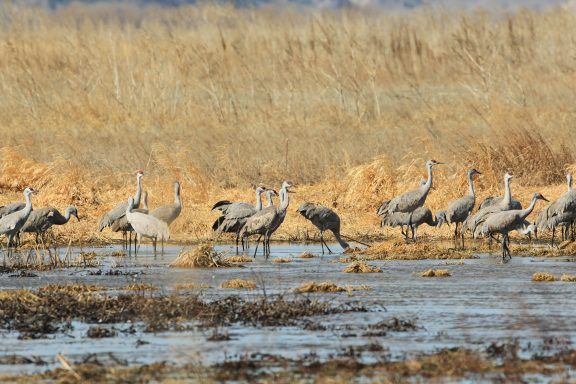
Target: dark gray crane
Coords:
[(11, 224), (324, 219), (506, 221), (41, 220), (412, 220)]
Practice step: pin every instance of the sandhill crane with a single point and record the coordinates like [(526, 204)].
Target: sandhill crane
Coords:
[(41, 220), (234, 215), (460, 209), (269, 194), (122, 224), (409, 201), (506, 221), (473, 223), (11, 208), (120, 210), (412, 220), (324, 219), (146, 226), (561, 212), (169, 212), (268, 220), (11, 224)]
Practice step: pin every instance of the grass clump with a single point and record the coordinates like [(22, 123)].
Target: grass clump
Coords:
[(282, 260), (361, 267), (543, 276), (565, 277), (238, 284), (203, 256), (140, 287), (328, 286), (435, 273), (306, 255), (238, 259), (400, 250), (192, 286)]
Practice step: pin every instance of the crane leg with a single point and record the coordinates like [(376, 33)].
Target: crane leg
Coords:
[(553, 232), (324, 241), (237, 239), (257, 243), (456, 232), (154, 246)]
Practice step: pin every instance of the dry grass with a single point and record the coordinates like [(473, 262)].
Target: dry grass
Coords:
[(282, 260), (543, 276), (140, 287), (328, 286), (435, 273), (565, 277), (201, 256), (192, 286), (238, 259), (306, 255), (470, 89), (361, 267), (400, 250), (238, 284)]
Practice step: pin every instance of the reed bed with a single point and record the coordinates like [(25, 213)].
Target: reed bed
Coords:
[(347, 103), (238, 259), (328, 286), (202, 256)]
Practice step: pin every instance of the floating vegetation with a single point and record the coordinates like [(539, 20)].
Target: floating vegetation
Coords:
[(140, 287), (400, 250), (238, 259), (282, 260), (361, 267), (328, 286), (117, 253), (306, 255), (203, 256), (192, 286), (435, 273), (543, 276), (568, 277), (238, 284)]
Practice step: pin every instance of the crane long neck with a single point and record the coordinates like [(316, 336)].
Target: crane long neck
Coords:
[(177, 200), (136, 203), (471, 186), (569, 183), (507, 193), (525, 212), (67, 216), (429, 181), (342, 243), (145, 201), (269, 198), (258, 200), (285, 200), (28, 206)]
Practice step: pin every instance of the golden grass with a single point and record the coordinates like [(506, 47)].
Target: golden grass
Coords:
[(238, 284), (282, 260), (565, 277), (543, 276), (306, 255), (140, 287), (435, 273), (191, 286), (361, 267), (328, 286), (238, 259), (398, 249), (201, 256), (470, 89)]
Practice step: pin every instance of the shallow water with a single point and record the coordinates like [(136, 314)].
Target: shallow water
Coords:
[(484, 301)]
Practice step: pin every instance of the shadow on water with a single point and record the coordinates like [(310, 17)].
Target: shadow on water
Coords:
[(482, 302)]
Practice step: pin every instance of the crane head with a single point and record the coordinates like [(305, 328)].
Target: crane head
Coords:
[(139, 173), (29, 190), (272, 192), (260, 189), (508, 176), (288, 184), (538, 196), (73, 211), (431, 163), (474, 171)]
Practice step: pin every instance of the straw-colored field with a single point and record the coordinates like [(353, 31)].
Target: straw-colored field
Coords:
[(348, 104)]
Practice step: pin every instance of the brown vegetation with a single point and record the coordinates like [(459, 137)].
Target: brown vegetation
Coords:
[(361, 267), (352, 102), (238, 284), (201, 256), (435, 273), (328, 286), (543, 276)]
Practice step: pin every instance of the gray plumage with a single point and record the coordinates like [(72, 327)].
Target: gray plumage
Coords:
[(122, 224), (11, 224), (474, 222), (413, 220), (324, 219), (491, 201), (409, 201), (146, 225), (11, 208), (42, 219), (266, 221), (506, 221), (556, 215), (169, 212), (270, 193), (120, 210)]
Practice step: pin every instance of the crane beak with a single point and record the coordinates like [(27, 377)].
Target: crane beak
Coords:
[(77, 217), (545, 199)]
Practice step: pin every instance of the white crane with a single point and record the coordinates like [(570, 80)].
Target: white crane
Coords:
[(11, 224), (146, 226)]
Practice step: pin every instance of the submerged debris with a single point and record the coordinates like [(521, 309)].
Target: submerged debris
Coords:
[(97, 332), (435, 273), (395, 325), (238, 284), (192, 286), (361, 267), (282, 260), (568, 277), (203, 256), (238, 259), (306, 255)]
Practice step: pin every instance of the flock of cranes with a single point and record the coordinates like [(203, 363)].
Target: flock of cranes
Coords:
[(496, 215)]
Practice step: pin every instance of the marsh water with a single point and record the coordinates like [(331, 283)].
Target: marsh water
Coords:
[(483, 301)]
